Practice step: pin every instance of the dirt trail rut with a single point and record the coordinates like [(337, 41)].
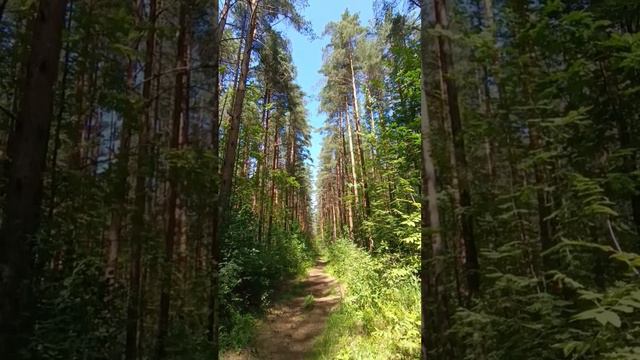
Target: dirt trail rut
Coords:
[(292, 326)]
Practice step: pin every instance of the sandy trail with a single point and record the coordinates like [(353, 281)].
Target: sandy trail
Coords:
[(291, 328)]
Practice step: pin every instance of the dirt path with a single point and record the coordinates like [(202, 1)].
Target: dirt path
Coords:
[(292, 326)]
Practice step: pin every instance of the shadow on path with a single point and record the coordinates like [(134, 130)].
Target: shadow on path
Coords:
[(291, 328)]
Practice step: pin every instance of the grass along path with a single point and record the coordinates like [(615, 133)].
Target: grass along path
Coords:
[(292, 326)]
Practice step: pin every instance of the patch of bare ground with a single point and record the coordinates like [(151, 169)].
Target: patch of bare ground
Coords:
[(291, 327)]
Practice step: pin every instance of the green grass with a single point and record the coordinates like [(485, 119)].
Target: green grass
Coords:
[(309, 302), (380, 315)]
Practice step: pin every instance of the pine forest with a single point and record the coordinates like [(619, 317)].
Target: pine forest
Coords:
[(319, 179)]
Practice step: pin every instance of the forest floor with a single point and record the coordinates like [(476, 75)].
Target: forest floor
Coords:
[(293, 324)]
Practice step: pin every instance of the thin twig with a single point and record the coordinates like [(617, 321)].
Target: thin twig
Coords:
[(617, 244)]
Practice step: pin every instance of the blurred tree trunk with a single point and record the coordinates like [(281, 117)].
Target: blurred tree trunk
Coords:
[(220, 19), (434, 299), (178, 121), (140, 198), (28, 154), (462, 172)]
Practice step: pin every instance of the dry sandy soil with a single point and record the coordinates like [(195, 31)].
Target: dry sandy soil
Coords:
[(291, 328)]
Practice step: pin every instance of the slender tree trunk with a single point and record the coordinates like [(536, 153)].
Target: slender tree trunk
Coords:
[(178, 119), (28, 154), (273, 191), (226, 177), (220, 19), (335, 221), (140, 197), (490, 146), (535, 142), (369, 106), (434, 299), (353, 179), (79, 154), (356, 120), (446, 63), (121, 188), (236, 113), (458, 243), (182, 225), (58, 127), (354, 175), (339, 192), (262, 171)]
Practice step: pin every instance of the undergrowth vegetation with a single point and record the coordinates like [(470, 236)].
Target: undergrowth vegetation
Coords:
[(380, 313), (251, 275)]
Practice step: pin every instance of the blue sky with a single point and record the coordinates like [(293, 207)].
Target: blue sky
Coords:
[(307, 55)]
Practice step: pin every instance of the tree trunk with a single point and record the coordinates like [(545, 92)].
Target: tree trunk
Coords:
[(236, 114), (273, 191), (349, 211), (118, 208), (178, 119), (339, 194), (446, 64), (356, 120), (354, 174), (226, 178), (140, 197), (58, 126), (28, 154), (434, 299), (3, 6), (262, 167), (220, 19)]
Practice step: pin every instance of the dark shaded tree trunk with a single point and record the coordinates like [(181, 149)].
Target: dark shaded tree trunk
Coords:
[(3, 6), (28, 154), (140, 198), (466, 220), (178, 119), (434, 300), (58, 126), (215, 251), (121, 187)]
